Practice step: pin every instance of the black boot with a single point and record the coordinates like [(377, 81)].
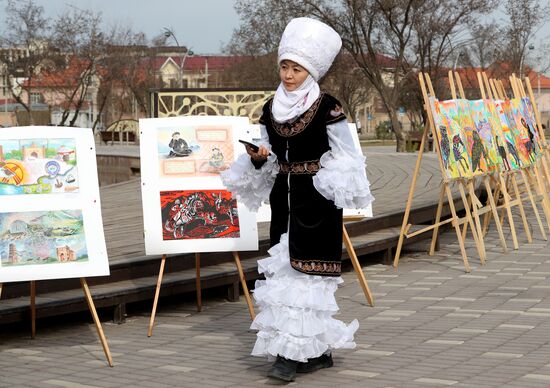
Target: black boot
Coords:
[(283, 369), (313, 364)]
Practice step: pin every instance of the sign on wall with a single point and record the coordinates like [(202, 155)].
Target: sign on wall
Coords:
[(50, 211), (186, 208)]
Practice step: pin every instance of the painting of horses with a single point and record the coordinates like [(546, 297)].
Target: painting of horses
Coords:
[(510, 139), (203, 214)]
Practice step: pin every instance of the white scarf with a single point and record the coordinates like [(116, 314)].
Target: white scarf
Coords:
[(289, 105)]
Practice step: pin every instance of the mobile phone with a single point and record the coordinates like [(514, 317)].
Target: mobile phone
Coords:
[(254, 147)]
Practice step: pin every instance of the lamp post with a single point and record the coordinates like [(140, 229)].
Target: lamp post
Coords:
[(456, 60), (169, 33), (530, 47)]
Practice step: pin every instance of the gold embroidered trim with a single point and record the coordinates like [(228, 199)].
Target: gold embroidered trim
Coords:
[(308, 167), (293, 128), (321, 267)]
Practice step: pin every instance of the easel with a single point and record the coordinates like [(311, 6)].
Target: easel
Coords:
[(540, 129), (445, 190), (477, 208), (355, 261), (198, 288), (488, 89), (498, 90), (91, 306), (533, 175)]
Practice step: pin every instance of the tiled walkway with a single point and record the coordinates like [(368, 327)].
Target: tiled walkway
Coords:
[(433, 325)]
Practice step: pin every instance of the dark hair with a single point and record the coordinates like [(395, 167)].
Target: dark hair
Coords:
[(175, 133)]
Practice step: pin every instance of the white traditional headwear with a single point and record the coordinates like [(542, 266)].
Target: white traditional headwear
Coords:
[(310, 43), (313, 45)]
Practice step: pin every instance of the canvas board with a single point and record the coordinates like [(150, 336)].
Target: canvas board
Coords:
[(50, 209), (186, 208)]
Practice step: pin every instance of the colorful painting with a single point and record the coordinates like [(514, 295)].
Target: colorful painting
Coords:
[(42, 237), (507, 160), (482, 121), (528, 139), (38, 166), (451, 139), (529, 114), (517, 158), (194, 150), (205, 214), (476, 149)]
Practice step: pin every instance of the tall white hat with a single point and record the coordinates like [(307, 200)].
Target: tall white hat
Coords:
[(310, 43)]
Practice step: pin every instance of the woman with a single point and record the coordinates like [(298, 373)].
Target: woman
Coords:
[(307, 164)]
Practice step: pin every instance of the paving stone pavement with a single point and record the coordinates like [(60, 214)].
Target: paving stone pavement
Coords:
[(433, 325)]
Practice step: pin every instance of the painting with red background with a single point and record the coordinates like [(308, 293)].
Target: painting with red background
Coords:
[(198, 214)]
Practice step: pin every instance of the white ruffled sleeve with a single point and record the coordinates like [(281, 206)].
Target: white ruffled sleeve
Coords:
[(250, 185), (342, 177)]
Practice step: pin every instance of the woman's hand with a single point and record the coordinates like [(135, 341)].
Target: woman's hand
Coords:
[(258, 156)]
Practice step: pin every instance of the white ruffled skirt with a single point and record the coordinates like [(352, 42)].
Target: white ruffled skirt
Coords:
[(296, 311)]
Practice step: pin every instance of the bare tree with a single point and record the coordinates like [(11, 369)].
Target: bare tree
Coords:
[(415, 34), (25, 49), (525, 18), (77, 33)]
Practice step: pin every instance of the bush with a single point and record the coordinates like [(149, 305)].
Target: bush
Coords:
[(384, 130)]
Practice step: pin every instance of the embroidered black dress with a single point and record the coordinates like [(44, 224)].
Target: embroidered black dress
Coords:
[(313, 222)]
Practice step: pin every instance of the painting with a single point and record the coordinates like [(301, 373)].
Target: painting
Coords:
[(37, 166), (528, 143), (476, 149), (43, 237), (506, 159), (451, 138), (511, 139), (186, 207), (50, 209), (205, 214), (532, 120), (194, 150), (482, 126)]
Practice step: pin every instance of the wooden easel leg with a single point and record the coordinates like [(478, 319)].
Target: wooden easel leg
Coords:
[(508, 208), (157, 294), (410, 197), (539, 181), (457, 228), (33, 309), (521, 210), (243, 284), (494, 212), (477, 239), (198, 281), (469, 205), (435, 233), (527, 183), (477, 222), (357, 266), (1, 285), (97, 322), (487, 217)]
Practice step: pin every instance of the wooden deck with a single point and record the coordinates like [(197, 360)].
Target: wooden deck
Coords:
[(133, 275)]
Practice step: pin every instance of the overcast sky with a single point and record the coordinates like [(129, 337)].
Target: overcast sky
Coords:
[(202, 25)]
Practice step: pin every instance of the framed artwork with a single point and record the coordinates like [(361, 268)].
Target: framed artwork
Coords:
[(185, 205), (529, 114), (50, 211)]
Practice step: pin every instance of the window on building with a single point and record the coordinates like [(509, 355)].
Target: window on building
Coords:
[(36, 98)]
